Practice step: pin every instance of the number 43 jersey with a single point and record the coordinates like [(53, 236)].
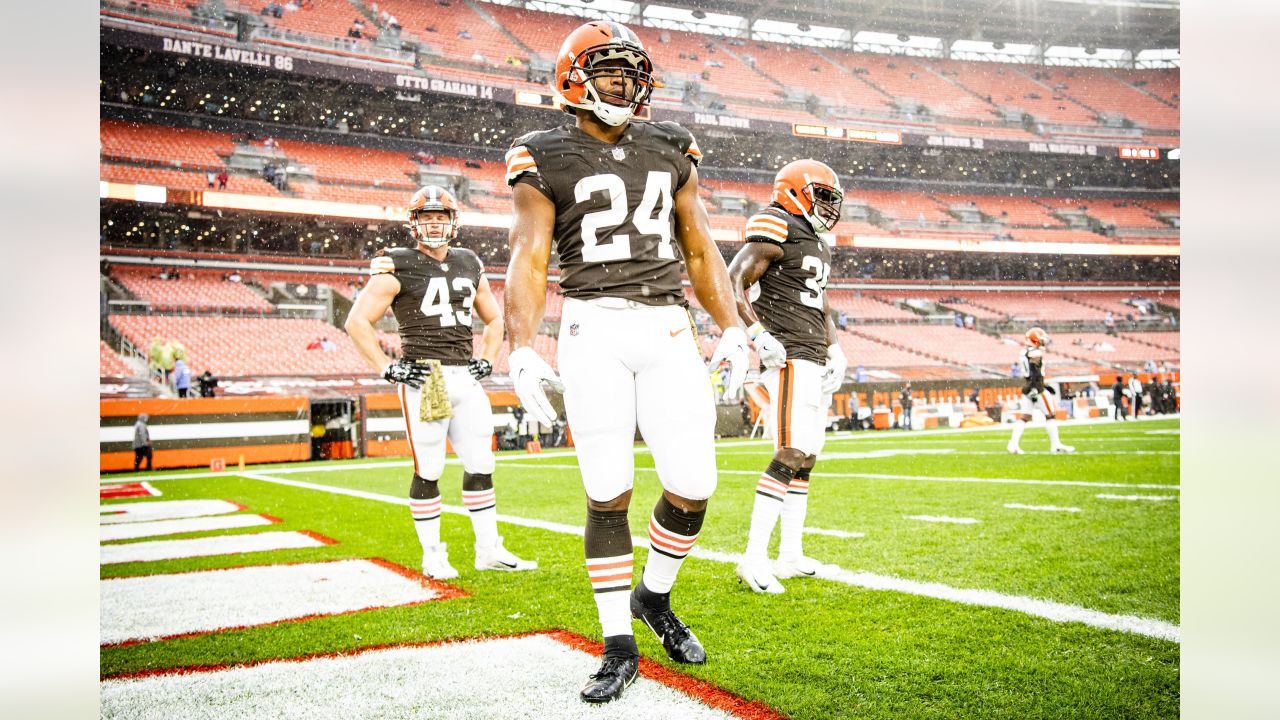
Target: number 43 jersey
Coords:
[(433, 306), (614, 226), (790, 297)]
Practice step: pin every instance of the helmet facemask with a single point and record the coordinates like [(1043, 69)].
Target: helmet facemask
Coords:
[(635, 73), (419, 224), (823, 207)]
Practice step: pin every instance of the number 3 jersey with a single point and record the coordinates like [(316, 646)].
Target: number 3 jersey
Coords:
[(433, 306), (790, 298), (614, 226)]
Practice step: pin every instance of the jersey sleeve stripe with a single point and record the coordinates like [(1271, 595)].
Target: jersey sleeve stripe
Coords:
[(382, 265), (519, 161), (769, 235), (770, 219)]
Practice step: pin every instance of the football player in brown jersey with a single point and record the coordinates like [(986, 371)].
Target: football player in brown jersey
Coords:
[(618, 199), (780, 279), (1037, 399), (433, 288)]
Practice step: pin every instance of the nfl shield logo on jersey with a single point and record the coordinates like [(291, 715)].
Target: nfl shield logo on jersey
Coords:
[(619, 154), (573, 329)]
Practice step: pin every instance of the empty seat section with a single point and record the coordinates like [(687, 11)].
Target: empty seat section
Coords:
[(1008, 86), (1029, 306), (871, 354), (182, 180), (904, 206), (803, 69), (235, 347), (1164, 84), (864, 307), (908, 79), (950, 343), (111, 364), (1006, 209), (1106, 94), (196, 290), (1165, 340), (1100, 347), (180, 147), (326, 19), (387, 168), (1122, 213), (455, 30)]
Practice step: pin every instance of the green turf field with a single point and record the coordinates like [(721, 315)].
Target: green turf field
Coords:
[(931, 645)]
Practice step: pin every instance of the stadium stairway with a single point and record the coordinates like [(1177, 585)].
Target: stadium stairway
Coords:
[(1050, 89), (937, 73)]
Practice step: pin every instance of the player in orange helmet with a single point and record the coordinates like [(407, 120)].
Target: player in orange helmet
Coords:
[(616, 196), (433, 289), (1036, 400), (779, 278)]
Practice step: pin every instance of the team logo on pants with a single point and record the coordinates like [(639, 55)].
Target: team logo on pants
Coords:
[(573, 329)]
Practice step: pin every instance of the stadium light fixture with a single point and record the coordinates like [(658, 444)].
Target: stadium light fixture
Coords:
[(699, 14), (903, 37), (803, 27)]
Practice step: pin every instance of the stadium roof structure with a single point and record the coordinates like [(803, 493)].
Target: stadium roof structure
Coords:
[(1123, 24)]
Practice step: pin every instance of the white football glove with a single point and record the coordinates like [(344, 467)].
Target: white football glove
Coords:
[(732, 348), (772, 353), (833, 373), (528, 371)]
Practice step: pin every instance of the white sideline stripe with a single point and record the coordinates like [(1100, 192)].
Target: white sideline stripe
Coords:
[(1171, 431), (190, 431), (923, 478), (943, 519), (152, 550), (834, 533), (1153, 498), (129, 531), (888, 452), (1049, 508), (1057, 612), (538, 677), (162, 510), (151, 491), (152, 606)]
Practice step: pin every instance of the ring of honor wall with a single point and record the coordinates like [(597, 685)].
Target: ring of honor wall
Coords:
[(194, 432)]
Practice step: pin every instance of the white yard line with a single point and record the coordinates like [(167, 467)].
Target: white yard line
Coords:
[(129, 531), (1047, 508), (924, 478), (538, 677), (943, 519), (1057, 612), (151, 550), (1152, 498)]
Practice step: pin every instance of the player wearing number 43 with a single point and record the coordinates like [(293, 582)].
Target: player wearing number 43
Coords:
[(615, 196), (433, 288), (780, 279)]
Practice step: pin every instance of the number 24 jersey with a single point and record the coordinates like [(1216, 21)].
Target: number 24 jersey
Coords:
[(614, 226)]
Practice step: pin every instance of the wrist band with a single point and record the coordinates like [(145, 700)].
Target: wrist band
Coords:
[(755, 330)]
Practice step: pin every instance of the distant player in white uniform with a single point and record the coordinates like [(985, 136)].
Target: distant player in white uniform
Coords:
[(433, 289), (780, 278), (618, 198), (1037, 400)]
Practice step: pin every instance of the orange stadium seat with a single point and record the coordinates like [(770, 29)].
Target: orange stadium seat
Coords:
[(237, 347), (804, 69), (1103, 92), (873, 354), (1100, 347), (905, 78), (1015, 86), (866, 307), (1029, 306), (440, 28), (944, 342), (180, 180), (1007, 210), (1122, 213), (111, 364), (328, 19), (179, 147), (196, 290)]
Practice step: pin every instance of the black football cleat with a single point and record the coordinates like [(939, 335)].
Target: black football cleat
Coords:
[(607, 684), (676, 637)]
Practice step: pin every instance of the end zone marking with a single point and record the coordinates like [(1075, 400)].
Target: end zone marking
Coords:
[(539, 677), (1048, 508), (1153, 498), (151, 528), (163, 607), (152, 550), (943, 519), (124, 490), (164, 510)]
